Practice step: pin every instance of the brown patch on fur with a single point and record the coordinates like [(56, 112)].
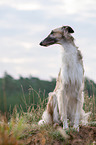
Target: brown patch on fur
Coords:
[(58, 81), (50, 106), (79, 55)]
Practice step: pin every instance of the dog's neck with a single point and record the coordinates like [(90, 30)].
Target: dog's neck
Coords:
[(70, 67), (69, 52)]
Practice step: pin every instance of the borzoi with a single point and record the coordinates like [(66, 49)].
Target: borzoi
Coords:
[(66, 101)]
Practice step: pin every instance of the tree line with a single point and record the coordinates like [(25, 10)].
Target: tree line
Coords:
[(24, 92)]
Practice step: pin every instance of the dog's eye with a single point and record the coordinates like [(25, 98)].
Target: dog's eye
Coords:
[(52, 32)]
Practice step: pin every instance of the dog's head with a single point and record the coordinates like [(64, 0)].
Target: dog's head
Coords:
[(57, 35)]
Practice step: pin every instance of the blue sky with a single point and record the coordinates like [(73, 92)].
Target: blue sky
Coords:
[(24, 23)]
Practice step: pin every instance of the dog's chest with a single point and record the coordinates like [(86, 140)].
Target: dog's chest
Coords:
[(71, 70)]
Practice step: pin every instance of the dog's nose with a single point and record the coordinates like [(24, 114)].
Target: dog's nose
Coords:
[(41, 43)]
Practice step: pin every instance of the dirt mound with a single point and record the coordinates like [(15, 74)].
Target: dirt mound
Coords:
[(86, 136)]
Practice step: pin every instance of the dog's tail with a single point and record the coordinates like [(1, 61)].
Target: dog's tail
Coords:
[(84, 117)]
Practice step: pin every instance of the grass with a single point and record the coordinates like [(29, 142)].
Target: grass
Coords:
[(90, 106), (22, 128)]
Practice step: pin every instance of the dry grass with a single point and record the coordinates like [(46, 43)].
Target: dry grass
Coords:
[(22, 128), (90, 106)]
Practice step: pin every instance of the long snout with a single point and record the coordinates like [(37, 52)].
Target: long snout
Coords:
[(48, 41), (42, 43)]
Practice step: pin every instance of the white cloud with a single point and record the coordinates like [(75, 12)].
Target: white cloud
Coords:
[(21, 5), (74, 6), (17, 60), (28, 6), (27, 45)]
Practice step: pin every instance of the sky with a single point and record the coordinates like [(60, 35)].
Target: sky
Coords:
[(24, 23)]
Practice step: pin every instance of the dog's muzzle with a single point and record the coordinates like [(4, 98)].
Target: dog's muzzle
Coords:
[(48, 41)]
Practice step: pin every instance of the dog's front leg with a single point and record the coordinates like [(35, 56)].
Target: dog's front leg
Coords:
[(64, 111), (62, 105), (77, 116)]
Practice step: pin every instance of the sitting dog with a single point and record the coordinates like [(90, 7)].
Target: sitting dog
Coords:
[(66, 101)]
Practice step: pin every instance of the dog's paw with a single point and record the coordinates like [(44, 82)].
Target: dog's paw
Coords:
[(65, 128), (65, 125), (55, 125), (41, 122), (76, 128)]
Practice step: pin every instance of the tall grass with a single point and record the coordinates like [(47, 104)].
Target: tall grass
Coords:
[(22, 127), (90, 106)]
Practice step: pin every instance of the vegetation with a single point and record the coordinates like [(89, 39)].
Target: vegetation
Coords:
[(24, 91), (24, 101), (22, 129)]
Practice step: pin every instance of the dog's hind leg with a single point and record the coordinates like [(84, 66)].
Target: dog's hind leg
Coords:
[(47, 117)]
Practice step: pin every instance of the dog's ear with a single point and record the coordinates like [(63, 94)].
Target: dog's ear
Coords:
[(68, 29)]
